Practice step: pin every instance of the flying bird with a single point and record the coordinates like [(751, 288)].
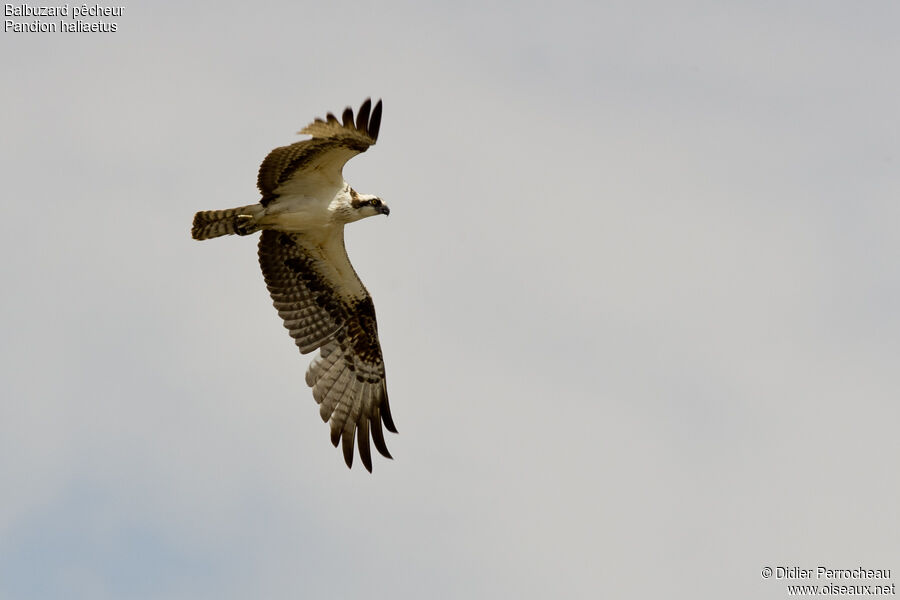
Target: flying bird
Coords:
[(304, 206)]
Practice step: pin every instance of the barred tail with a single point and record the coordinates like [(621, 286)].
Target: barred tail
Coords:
[(214, 223)]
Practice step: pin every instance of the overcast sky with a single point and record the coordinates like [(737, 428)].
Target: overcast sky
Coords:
[(637, 295)]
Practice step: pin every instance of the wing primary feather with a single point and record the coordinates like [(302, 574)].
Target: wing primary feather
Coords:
[(334, 395), (378, 435), (347, 446), (348, 117), (327, 381), (362, 440), (362, 117), (386, 410), (331, 118), (375, 121)]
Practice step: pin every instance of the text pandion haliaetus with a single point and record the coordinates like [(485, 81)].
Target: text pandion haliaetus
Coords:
[(304, 206)]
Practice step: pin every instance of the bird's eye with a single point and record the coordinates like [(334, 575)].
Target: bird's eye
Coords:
[(376, 202)]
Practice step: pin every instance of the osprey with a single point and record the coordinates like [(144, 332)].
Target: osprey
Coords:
[(304, 206)]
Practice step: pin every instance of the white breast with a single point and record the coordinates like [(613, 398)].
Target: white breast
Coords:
[(297, 213)]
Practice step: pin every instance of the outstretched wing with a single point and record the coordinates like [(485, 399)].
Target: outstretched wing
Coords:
[(324, 305), (320, 160)]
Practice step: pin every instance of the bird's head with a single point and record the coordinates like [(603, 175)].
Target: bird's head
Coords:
[(365, 205)]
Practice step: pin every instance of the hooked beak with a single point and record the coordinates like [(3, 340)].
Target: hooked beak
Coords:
[(385, 210)]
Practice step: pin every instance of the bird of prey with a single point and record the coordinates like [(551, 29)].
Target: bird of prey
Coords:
[(304, 206)]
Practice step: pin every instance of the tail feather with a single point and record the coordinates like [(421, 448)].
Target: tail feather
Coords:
[(214, 223)]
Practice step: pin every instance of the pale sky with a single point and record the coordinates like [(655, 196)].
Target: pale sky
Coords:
[(637, 295)]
